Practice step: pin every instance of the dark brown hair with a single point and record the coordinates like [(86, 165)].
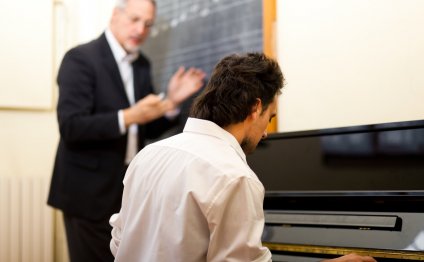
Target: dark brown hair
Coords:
[(236, 83)]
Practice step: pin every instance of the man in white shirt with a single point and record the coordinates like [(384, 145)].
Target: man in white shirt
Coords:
[(192, 197)]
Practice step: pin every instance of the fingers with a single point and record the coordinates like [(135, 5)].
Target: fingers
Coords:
[(368, 259), (191, 72), (195, 72), (200, 72), (195, 76), (184, 83), (352, 258), (180, 72)]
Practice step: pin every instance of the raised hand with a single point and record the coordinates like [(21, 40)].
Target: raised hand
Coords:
[(184, 83)]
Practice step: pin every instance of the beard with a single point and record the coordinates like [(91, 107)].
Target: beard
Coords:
[(248, 146), (133, 44), (131, 49)]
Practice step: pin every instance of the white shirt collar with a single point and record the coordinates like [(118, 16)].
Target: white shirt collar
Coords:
[(119, 53), (207, 127)]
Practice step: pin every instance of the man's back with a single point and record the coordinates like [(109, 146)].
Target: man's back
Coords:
[(191, 197)]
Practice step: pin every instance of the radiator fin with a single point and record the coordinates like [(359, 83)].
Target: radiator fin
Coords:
[(26, 222)]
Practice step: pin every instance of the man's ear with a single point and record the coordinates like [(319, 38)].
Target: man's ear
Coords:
[(256, 109)]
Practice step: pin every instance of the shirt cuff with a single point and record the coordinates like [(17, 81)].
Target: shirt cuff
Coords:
[(171, 115), (121, 122)]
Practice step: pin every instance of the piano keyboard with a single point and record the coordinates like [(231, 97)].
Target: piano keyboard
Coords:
[(340, 251)]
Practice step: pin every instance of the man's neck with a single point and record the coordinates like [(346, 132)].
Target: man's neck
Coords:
[(237, 130)]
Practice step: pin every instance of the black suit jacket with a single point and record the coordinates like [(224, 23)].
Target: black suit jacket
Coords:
[(89, 165)]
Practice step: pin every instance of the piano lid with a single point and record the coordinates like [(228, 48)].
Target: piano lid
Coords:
[(383, 157)]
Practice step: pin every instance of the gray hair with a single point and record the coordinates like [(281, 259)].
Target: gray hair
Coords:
[(123, 3)]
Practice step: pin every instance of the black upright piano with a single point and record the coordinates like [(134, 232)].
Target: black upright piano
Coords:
[(331, 192)]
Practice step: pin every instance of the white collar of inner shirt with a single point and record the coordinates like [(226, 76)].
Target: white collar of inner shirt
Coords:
[(119, 53), (130, 57)]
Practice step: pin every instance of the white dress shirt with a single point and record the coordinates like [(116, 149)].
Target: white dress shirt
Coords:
[(124, 61), (191, 197)]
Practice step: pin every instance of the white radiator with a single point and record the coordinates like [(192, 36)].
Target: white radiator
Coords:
[(26, 222)]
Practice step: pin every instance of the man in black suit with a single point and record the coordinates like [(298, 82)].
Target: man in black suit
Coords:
[(106, 110)]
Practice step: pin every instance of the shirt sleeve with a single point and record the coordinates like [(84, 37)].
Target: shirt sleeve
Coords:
[(121, 122), (236, 222), (115, 222)]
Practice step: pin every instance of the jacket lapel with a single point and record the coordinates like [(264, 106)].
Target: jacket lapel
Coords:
[(137, 81), (111, 67), (142, 82)]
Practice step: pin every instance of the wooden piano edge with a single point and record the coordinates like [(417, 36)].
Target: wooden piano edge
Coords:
[(328, 250)]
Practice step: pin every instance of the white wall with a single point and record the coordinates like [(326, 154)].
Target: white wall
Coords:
[(81, 21), (28, 134), (26, 57), (350, 62)]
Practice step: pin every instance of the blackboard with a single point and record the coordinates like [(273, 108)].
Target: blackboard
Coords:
[(197, 33)]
